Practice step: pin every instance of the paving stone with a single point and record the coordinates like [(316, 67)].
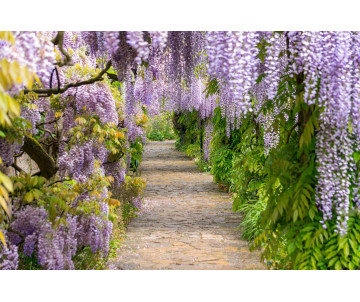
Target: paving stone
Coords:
[(186, 223)]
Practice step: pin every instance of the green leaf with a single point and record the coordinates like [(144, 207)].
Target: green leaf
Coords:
[(3, 205), (2, 238), (357, 235), (33, 181), (313, 262), (7, 182), (311, 214), (29, 197), (291, 247), (346, 250), (296, 214), (353, 245), (332, 261), (331, 255), (52, 211), (342, 242), (37, 193), (356, 156), (338, 265), (351, 266)]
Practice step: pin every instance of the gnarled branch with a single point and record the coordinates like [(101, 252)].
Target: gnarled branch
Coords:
[(290, 132), (50, 91), (45, 130), (18, 155), (113, 77), (49, 122), (57, 181), (59, 41), (17, 168)]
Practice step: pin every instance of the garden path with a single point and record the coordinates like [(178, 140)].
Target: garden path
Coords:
[(186, 222)]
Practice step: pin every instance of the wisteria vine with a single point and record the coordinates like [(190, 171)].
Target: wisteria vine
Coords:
[(172, 71)]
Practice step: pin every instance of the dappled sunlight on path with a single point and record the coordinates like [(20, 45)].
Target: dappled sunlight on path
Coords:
[(186, 222)]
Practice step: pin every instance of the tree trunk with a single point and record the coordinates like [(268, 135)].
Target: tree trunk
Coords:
[(36, 152)]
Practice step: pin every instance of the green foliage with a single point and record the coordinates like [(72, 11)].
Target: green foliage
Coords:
[(133, 188), (212, 87), (86, 260), (160, 127), (156, 135), (56, 198), (28, 263), (310, 246), (252, 214), (11, 74), (289, 191), (92, 128), (129, 212), (136, 151), (190, 130), (57, 195), (275, 191), (193, 150), (221, 165)]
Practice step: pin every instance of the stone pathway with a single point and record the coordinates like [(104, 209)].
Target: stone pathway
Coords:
[(186, 222)]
